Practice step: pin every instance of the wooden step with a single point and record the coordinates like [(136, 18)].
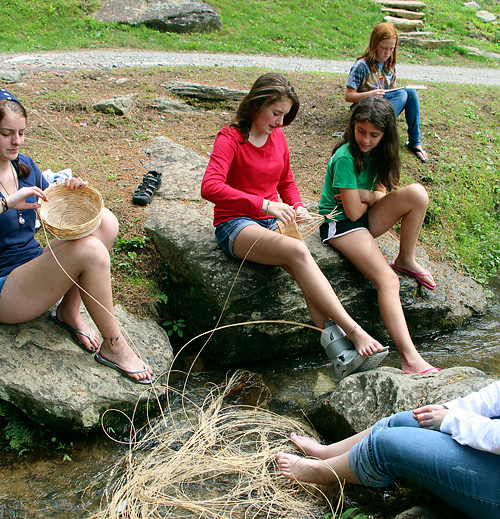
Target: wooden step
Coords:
[(403, 13)]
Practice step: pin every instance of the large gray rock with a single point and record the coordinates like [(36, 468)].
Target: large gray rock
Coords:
[(181, 228), (207, 92), (362, 399), (10, 76), (173, 106), (119, 105), (404, 25), (55, 383), (181, 16), (403, 13)]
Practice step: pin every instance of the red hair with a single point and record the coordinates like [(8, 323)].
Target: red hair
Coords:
[(382, 31)]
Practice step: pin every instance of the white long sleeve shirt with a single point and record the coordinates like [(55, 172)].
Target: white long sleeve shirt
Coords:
[(474, 420)]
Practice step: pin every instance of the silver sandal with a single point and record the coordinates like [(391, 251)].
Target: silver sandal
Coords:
[(344, 356)]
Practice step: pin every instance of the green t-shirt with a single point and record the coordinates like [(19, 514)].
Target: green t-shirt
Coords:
[(341, 173)]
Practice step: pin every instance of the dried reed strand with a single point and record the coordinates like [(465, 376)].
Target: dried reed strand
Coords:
[(218, 462)]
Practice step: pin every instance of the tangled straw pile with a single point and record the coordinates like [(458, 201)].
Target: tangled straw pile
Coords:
[(212, 461)]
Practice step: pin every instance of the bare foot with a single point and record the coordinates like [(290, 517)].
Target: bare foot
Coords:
[(313, 448), (364, 343), (305, 469), (75, 321), (119, 352)]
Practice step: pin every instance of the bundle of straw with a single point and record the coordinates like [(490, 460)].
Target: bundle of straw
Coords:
[(302, 228), (70, 214)]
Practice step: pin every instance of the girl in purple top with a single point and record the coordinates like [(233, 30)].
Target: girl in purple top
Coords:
[(31, 280)]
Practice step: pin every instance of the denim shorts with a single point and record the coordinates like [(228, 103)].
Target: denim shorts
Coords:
[(3, 279), (226, 232)]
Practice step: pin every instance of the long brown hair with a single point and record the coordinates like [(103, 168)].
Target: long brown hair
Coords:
[(380, 113), (268, 89), (6, 105), (382, 31)]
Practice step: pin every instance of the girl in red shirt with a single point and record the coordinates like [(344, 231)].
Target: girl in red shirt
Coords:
[(249, 167)]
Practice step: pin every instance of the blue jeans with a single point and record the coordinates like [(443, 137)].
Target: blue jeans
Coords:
[(466, 478), (226, 232), (407, 100)]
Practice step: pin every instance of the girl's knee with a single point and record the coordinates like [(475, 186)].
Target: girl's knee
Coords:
[(90, 250), (388, 282), (109, 225), (417, 193), (298, 251)]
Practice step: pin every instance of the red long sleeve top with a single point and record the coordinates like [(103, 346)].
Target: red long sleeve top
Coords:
[(240, 176)]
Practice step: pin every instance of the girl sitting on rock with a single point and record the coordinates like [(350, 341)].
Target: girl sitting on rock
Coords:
[(374, 74), (451, 450), (363, 167), (31, 280), (249, 167)]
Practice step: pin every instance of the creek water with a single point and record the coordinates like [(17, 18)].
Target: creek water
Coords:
[(44, 485)]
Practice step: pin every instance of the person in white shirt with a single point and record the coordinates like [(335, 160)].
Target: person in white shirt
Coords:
[(450, 449)]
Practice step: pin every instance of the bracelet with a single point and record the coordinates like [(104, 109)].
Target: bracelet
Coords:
[(5, 207), (352, 329), (267, 207)]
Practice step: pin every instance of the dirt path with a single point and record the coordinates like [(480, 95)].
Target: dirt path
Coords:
[(107, 59)]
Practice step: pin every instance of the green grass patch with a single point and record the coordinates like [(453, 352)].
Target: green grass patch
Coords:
[(327, 29), (462, 131)]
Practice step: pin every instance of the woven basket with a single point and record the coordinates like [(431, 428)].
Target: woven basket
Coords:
[(291, 229), (70, 214)]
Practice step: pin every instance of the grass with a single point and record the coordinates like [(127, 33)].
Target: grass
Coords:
[(327, 29)]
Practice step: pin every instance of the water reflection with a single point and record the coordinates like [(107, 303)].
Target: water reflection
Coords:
[(38, 485)]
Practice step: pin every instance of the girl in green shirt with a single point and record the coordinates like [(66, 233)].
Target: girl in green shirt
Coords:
[(360, 180)]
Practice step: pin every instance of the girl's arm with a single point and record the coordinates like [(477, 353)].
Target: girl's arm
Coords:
[(371, 197), (357, 201), (353, 96), (472, 420), (354, 207)]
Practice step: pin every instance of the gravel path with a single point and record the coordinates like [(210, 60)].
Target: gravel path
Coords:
[(106, 59)]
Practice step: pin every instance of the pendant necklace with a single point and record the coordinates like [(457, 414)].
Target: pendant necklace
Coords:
[(20, 218)]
